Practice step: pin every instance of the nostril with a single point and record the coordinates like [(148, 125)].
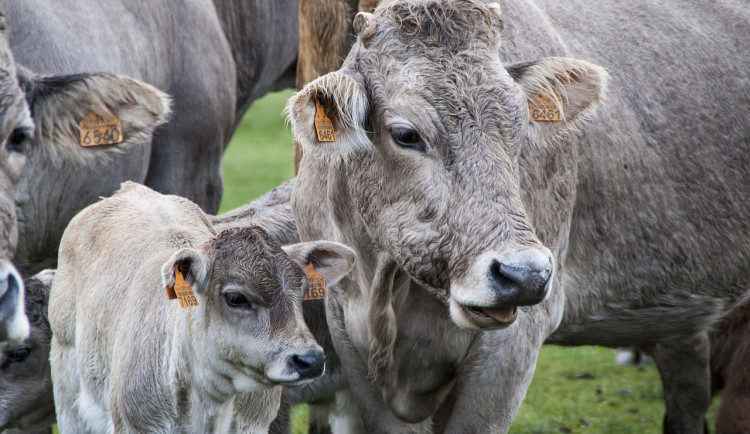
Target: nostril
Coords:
[(310, 364), (523, 281)]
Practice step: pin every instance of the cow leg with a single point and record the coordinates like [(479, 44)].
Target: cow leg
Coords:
[(493, 379), (66, 388), (684, 369)]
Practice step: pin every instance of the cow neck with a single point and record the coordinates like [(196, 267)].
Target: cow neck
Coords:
[(204, 397)]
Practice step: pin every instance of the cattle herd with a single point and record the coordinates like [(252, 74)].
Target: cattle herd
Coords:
[(475, 179)]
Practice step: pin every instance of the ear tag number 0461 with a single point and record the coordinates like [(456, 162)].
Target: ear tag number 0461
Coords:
[(98, 129), (316, 284), (323, 125), (182, 291)]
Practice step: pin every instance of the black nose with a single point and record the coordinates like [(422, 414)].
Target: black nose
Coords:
[(309, 365), (10, 294), (521, 279)]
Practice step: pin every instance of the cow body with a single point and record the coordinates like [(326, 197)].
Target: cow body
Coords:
[(176, 369), (450, 195), (214, 58)]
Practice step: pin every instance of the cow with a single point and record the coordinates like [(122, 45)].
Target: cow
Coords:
[(238, 327), (26, 403), (487, 219), (214, 58), (41, 116)]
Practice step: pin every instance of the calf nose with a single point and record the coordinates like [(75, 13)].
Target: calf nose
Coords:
[(521, 279), (308, 365), (13, 323)]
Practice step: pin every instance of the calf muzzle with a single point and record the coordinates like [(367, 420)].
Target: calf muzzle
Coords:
[(310, 364)]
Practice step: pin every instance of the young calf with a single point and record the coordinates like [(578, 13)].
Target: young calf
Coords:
[(124, 358), (25, 387)]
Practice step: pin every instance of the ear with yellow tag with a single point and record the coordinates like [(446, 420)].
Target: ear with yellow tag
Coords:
[(560, 92), (184, 275), (325, 263)]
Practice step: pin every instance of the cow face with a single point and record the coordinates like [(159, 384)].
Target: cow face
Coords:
[(252, 294), (429, 127)]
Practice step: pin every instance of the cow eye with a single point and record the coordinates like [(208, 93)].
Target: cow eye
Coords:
[(18, 139), (237, 300), (17, 355), (408, 138)]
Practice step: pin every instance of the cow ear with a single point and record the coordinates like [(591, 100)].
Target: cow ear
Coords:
[(331, 260), (560, 92), (60, 103), (337, 99), (193, 265)]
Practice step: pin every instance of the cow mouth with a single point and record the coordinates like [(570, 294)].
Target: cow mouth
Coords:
[(485, 317)]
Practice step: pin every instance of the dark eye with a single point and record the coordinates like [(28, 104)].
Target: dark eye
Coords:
[(18, 139), (408, 138), (17, 355), (235, 299)]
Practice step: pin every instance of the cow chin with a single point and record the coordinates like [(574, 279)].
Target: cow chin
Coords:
[(478, 318)]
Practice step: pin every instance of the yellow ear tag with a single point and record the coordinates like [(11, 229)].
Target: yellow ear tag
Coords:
[(182, 290), (543, 108), (100, 128), (316, 284), (323, 125)]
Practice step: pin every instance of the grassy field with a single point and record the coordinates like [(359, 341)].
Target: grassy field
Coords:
[(574, 389)]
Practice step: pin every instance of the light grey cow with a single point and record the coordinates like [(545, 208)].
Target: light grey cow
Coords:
[(26, 402), (213, 57), (487, 220), (125, 358)]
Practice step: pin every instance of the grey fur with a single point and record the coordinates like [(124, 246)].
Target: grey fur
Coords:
[(214, 57), (643, 209), (26, 402)]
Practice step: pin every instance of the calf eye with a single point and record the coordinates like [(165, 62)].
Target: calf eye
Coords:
[(408, 138), (18, 139), (17, 355), (235, 299)]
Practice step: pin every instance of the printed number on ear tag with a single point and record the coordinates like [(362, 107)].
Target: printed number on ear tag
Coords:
[(316, 284), (98, 129), (543, 108), (323, 125), (182, 291)]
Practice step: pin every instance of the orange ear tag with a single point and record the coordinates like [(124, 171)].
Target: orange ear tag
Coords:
[(182, 291), (316, 284), (323, 125), (543, 108), (98, 129)]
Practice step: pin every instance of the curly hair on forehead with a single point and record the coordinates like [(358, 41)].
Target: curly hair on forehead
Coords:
[(449, 24)]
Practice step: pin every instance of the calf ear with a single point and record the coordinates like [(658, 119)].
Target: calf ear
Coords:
[(331, 260), (337, 99), (193, 265), (60, 103), (560, 92)]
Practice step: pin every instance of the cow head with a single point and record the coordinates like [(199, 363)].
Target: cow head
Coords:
[(250, 292), (429, 127), (40, 151)]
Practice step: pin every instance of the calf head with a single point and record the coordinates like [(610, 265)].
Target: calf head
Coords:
[(26, 401), (429, 128), (39, 127), (249, 325)]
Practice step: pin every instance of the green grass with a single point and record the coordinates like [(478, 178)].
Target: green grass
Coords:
[(574, 389)]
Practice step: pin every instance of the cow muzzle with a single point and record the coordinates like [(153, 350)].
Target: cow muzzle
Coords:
[(14, 325), (496, 285)]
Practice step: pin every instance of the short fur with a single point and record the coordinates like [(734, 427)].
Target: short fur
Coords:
[(174, 369), (26, 402), (640, 210)]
